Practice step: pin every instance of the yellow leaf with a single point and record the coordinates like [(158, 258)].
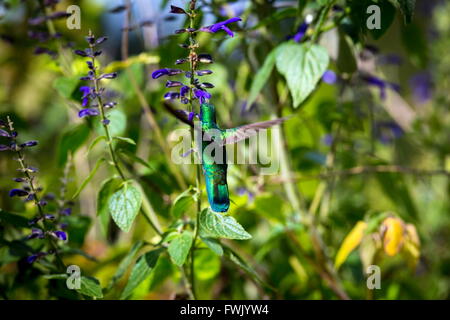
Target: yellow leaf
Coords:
[(351, 241), (394, 235), (412, 234)]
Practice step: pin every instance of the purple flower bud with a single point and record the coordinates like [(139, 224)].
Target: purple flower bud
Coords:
[(63, 225), (181, 61), (61, 235), (88, 112), (179, 31), (205, 58), (203, 72), (4, 133), (177, 10), (184, 100), (59, 15), (86, 78), (32, 258), (112, 75), (50, 217), (329, 77), (101, 40), (36, 21), (106, 122), (97, 53), (206, 85), (4, 148), (171, 84), (18, 193), (159, 73), (90, 64), (184, 90), (36, 233), (171, 95), (81, 53), (31, 143), (66, 211), (110, 105), (202, 95), (191, 116), (19, 179)]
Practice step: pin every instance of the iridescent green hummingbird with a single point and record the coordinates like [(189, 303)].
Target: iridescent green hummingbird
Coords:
[(216, 140)]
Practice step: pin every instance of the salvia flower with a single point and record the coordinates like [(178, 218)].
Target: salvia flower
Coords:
[(44, 224), (381, 84), (221, 26), (94, 91), (330, 77)]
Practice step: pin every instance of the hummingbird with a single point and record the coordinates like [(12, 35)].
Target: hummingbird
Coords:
[(215, 172)]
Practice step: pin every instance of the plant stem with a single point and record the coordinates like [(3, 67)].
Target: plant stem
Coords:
[(144, 104), (193, 66)]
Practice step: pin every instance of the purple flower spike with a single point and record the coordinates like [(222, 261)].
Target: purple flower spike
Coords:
[(18, 193), (61, 235), (221, 26), (88, 112), (202, 95), (329, 77)]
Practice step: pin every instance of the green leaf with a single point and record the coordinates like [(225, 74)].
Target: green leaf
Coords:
[(276, 16), (182, 203), (214, 245), (94, 143), (180, 246), (66, 85), (107, 188), (127, 140), (71, 140), (89, 177), (346, 61), (303, 66), (90, 287), (124, 206), (135, 158), (141, 270), (387, 18), (261, 78), (125, 263), (117, 125), (216, 225), (13, 219), (241, 263)]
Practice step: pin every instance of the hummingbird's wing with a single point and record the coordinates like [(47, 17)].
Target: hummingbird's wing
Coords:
[(243, 132)]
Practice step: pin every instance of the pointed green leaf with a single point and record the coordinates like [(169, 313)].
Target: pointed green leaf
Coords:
[(182, 203), (94, 143), (261, 78), (180, 246), (107, 188), (90, 287), (124, 206), (141, 270), (127, 140), (214, 245), (89, 177), (303, 66), (125, 263), (216, 225)]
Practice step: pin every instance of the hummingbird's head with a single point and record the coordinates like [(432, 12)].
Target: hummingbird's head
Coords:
[(207, 112)]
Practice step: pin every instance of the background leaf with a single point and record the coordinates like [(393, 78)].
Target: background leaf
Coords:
[(179, 247), (216, 225)]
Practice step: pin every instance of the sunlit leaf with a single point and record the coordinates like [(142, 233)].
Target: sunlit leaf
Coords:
[(303, 65), (217, 225), (124, 205), (90, 287), (179, 247), (141, 270)]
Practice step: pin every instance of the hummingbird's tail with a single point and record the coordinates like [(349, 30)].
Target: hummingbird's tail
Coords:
[(218, 196)]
